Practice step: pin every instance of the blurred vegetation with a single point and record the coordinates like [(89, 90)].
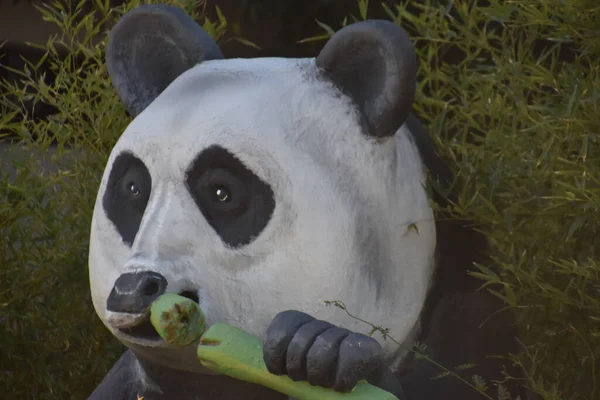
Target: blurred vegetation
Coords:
[(510, 91)]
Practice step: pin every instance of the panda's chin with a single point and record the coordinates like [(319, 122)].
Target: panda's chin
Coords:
[(142, 334), (158, 352)]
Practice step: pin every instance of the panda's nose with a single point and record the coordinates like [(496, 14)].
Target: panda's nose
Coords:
[(134, 292)]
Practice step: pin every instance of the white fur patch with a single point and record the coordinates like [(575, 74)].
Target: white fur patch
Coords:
[(339, 195)]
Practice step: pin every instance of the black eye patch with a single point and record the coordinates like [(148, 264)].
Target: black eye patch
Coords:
[(126, 196), (234, 201)]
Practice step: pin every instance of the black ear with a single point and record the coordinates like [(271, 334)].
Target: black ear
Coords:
[(149, 47), (374, 63)]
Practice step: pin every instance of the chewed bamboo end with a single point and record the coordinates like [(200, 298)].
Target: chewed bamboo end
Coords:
[(177, 319)]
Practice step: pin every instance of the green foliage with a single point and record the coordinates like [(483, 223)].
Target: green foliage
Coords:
[(511, 94), (53, 344), (510, 91)]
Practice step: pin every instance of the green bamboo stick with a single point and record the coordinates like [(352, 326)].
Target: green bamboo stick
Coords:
[(238, 354), (177, 319)]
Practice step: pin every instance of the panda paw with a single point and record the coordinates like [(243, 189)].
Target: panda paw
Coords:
[(307, 349)]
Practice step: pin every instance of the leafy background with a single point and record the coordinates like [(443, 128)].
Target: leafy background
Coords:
[(509, 90)]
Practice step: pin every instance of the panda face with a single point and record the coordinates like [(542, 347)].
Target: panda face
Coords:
[(249, 186)]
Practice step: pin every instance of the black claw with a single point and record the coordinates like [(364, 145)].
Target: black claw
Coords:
[(300, 345), (359, 356), (278, 336), (321, 360)]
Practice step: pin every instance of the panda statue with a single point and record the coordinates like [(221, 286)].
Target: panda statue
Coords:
[(260, 188)]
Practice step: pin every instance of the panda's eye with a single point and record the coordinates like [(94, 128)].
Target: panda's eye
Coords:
[(221, 193), (127, 194), (134, 189), (232, 199)]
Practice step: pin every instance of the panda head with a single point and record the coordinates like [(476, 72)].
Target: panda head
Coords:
[(259, 185)]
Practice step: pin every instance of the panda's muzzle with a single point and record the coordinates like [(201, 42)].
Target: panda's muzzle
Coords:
[(132, 295)]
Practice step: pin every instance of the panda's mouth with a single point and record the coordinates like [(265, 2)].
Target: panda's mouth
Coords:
[(145, 331)]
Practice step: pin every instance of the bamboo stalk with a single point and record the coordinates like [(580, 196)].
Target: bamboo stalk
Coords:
[(238, 354)]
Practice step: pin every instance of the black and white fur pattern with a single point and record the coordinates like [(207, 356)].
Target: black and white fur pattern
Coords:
[(256, 186)]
